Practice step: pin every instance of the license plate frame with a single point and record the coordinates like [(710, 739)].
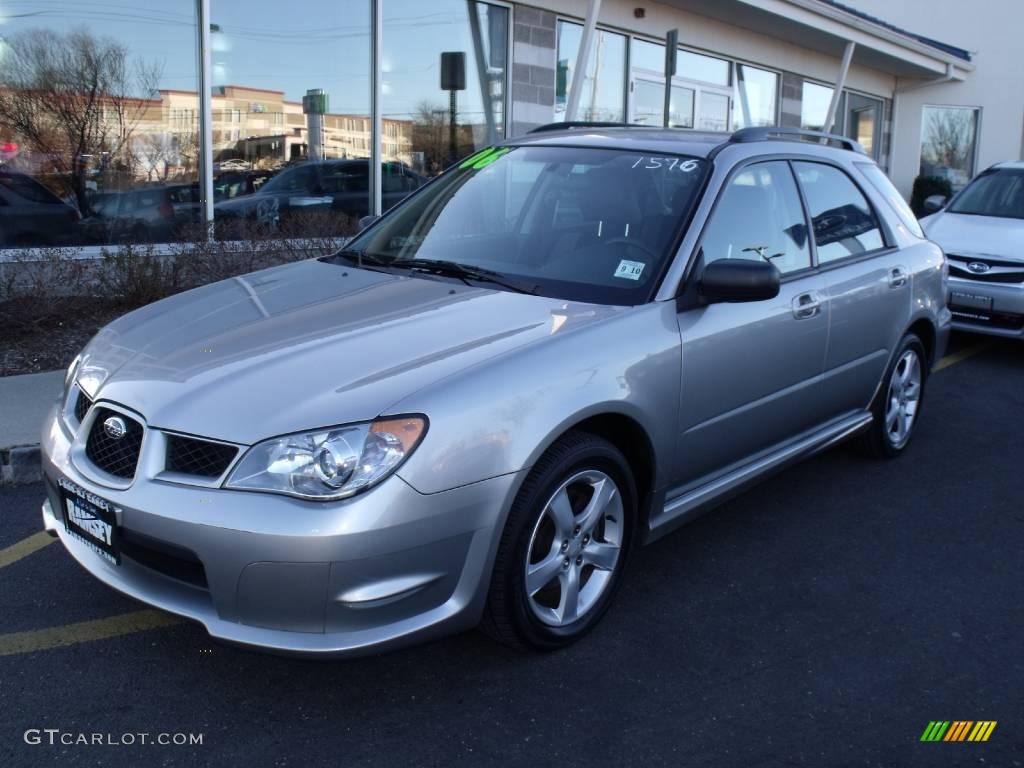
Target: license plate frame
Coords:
[(92, 521), (970, 301)]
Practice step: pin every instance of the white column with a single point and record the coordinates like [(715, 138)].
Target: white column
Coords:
[(582, 56), (837, 93), (205, 113), (376, 131)]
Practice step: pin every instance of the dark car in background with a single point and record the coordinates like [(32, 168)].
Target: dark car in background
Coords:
[(145, 215), (341, 186), (31, 215)]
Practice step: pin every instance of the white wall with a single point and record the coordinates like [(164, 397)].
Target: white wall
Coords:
[(714, 36), (992, 30)]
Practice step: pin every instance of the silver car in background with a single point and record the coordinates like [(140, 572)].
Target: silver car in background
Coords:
[(982, 232), (564, 346)]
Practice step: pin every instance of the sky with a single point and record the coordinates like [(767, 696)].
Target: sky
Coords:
[(278, 45)]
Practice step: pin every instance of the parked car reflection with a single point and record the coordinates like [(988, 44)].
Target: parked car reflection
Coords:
[(332, 185), (31, 215)]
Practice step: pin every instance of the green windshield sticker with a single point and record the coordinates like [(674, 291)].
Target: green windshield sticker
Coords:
[(483, 158), (474, 157), (483, 162)]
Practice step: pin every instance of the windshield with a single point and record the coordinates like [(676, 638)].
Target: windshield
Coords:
[(596, 225), (994, 193)]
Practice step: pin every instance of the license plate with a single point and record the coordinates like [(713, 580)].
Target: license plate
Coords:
[(91, 520), (970, 301)]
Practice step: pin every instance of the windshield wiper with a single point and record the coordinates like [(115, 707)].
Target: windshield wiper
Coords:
[(464, 272), (359, 259)]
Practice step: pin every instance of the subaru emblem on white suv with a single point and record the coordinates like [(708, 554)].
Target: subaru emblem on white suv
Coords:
[(978, 267), (115, 427)]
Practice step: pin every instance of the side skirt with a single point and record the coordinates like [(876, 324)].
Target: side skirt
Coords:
[(686, 504)]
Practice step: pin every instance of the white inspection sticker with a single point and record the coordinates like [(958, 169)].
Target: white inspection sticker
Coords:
[(631, 270)]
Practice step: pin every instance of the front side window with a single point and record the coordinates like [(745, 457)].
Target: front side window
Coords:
[(759, 217), (844, 223), (998, 193), (594, 225)]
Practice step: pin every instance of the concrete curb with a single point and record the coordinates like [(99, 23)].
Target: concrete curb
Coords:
[(20, 464)]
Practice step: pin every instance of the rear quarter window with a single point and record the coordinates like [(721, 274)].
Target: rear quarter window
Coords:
[(881, 182)]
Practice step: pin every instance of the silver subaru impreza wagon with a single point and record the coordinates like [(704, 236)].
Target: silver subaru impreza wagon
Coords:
[(562, 348)]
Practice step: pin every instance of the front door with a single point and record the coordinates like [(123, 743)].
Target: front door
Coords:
[(752, 371)]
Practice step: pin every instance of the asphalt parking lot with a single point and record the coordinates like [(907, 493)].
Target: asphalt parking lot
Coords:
[(823, 619)]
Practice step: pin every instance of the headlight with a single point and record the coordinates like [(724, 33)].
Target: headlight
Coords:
[(329, 463)]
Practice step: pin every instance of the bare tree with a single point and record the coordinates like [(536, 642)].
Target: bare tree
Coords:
[(72, 97), (156, 152), (430, 136), (948, 138)]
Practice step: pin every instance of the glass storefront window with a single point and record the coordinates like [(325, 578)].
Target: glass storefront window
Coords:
[(604, 82), (647, 55), (948, 138), (291, 119), (415, 36), (755, 97), (697, 66), (814, 106), (863, 121), (83, 164)]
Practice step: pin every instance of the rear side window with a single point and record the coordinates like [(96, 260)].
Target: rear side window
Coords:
[(843, 222), (881, 182)]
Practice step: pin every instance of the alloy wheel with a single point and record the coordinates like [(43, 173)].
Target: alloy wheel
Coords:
[(574, 549), (904, 398)]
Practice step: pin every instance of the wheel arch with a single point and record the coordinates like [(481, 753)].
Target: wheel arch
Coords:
[(628, 435)]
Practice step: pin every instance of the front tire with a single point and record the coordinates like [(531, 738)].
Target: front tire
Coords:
[(897, 406), (564, 547)]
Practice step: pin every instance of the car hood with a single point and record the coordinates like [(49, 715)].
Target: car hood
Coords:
[(307, 345), (967, 235)]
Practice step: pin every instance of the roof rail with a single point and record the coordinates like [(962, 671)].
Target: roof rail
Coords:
[(572, 124), (745, 135)]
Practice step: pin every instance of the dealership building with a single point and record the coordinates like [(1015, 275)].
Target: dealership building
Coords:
[(925, 86)]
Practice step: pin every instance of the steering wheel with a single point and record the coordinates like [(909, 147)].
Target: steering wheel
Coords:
[(639, 245)]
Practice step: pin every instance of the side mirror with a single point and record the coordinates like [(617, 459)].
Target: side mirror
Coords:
[(935, 203), (366, 221), (734, 280)]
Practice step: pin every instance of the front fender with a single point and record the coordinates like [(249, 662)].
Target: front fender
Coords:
[(499, 416)]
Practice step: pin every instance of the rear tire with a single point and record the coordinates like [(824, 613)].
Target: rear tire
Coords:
[(564, 547), (897, 405)]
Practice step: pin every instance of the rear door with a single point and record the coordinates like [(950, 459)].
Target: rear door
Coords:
[(866, 282), (752, 371)]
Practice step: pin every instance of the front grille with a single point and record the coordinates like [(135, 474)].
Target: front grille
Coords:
[(1000, 270), (116, 456), (162, 557), (82, 406), (987, 277), (192, 456)]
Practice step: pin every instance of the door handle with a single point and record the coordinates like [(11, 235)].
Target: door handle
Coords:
[(897, 277), (806, 305)]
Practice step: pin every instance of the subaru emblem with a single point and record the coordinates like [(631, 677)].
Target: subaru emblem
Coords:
[(115, 427), (978, 267)]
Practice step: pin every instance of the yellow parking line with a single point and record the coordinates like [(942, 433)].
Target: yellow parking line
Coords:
[(84, 631), (962, 355), (24, 548)]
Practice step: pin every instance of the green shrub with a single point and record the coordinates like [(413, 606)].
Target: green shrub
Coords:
[(925, 187)]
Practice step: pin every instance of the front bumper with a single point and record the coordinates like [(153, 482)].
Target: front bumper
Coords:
[(1006, 318), (382, 569)]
